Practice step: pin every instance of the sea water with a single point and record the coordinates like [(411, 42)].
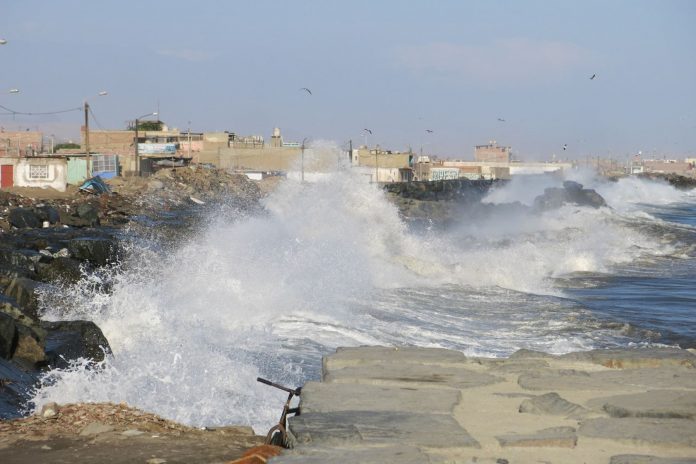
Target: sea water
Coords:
[(192, 322)]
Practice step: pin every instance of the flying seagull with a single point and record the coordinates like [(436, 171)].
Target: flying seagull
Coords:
[(306, 90), (565, 145), (429, 131), (501, 120), (368, 130), (593, 76)]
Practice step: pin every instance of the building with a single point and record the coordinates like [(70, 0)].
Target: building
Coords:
[(20, 143), (383, 165), (34, 171), (492, 153), (669, 166)]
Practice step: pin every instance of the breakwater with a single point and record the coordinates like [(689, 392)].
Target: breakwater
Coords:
[(425, 405)]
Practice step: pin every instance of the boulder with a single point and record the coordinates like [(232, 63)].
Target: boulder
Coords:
[(24, 217), (8, 336), (99, 251), (571, 193), (68, 340), (89, 213), (23, 291), (48, 213), (60, 269)]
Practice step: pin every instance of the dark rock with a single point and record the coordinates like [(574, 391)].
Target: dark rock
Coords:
[(89, 213), (30, 346), (24, 217), (21, 259), (59, 270), (68, 340), (23, 291), (8, 336), (99, 251), (73, 221), (48, 213), (571, 193)]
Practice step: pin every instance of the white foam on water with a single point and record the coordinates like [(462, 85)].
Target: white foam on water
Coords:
[(328, 263)]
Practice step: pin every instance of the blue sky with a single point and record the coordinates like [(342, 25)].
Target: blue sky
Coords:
[(396, 67)]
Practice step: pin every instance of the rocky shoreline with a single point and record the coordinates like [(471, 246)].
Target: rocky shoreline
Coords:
[(50, 238)]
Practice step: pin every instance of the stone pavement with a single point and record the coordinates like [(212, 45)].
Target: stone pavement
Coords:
[(425, 405)]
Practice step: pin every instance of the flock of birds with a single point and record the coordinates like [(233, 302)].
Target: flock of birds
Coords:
[(430, 131)]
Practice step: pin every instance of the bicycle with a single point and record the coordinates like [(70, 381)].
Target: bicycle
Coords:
[(278, 434)]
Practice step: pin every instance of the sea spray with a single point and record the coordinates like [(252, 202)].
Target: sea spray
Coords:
[(330, 263)]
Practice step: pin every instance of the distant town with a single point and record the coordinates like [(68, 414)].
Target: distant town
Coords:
[(30, 159)]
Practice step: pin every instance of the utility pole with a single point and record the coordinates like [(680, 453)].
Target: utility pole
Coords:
[(302, 161), (137, 153), (89, 157), (350, 151), (189, 141), (376, 169)]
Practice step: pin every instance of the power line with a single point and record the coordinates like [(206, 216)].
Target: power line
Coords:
[(13, 112)]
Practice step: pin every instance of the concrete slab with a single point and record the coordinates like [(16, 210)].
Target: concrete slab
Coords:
[(327, 397), (644, 459), (551, 404), (374, 455), (417, 374), (557, 437), (632, 358), (628, 379), (343, 428), (674, 404), (355, 356), (642, 431)]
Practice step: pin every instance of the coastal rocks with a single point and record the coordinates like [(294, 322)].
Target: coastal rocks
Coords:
[(23, 217), (97, 250), (67, 340), (636, 358), (571, 193)]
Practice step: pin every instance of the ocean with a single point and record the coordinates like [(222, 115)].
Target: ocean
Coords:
[(193, 320)]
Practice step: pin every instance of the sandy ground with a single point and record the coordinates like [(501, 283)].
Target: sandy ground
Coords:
[(116, 433)]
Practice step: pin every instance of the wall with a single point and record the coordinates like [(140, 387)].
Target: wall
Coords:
[(54, 169), (28, 142)]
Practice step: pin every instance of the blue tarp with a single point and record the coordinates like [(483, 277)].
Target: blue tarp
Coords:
[(95, 185)]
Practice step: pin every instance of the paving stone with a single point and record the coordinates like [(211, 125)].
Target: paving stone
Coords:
[(343, 428), (644, 459), (557, 437), (376, 455), (346, 357), (638, 379), (417, 374), (551, 404), (631, 358), (665, 432), (675, 404), (327, 397)]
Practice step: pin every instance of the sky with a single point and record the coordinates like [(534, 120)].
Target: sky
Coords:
[(517, 72)]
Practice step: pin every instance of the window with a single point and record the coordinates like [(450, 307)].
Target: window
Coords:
[(38, 171)]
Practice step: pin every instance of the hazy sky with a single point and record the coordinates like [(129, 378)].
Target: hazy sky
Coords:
[(396, 67)]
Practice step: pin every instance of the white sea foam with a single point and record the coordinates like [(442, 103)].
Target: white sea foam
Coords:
[(329, 263)]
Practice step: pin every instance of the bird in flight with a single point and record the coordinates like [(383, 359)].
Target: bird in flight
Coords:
[(306, 90), (501, 120), (368, 130), (593, 76), (565, 146), (429, 131)]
